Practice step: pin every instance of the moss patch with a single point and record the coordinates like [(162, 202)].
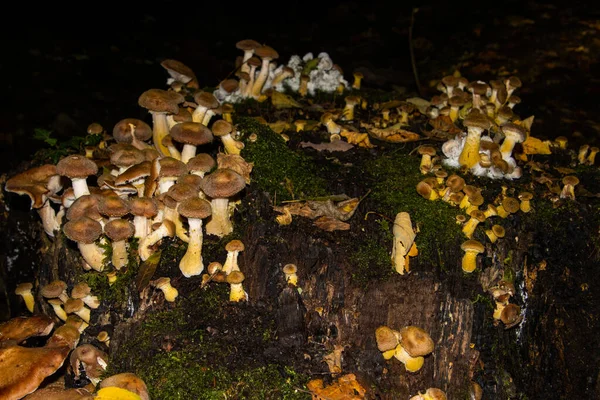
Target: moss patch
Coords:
[(394, 179), (278, 170)]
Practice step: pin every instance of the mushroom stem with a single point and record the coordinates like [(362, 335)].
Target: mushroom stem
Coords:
[(237, 292), (263, 74), (219, 223), (80, 187), (119, 254), (188, 152), (141, 226), (160, 129), (92, 255), (469, 261), (191, 264), (50, 220), (167, 228), (470, 152)]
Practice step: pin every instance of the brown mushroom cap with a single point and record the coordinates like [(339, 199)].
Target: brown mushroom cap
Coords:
[(76, 166), (20, 328), (516, 132), (477, 120), (33, 182), (80, 290), (222, 128), (455, 183), (427, 150), (478, 215), (119, 229), (416, 341), (182, 191), (144, 206), (472, 245), (113, 206), (266, 52), (525, 196), (235, 277), (248, 44), (498, 231), (84, 206), (201, 163), (229, 85), (122, 130), (171, 167), (193, 133), (386, 338), (222, 183), (195, 207), (73, 305), (83, 230), (178, 70), (510, 314), (159, 100), (570, 180), (135, 172), (289, 268), (511, 204), (206, 99), (53, 289), (126, 156), (191, 179)]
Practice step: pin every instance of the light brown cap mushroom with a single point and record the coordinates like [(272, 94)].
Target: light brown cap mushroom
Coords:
[(113, 206), (182, 191), (201, 163), (73, 305), (516, 132), (472, 245), (84, 206), (222, 128), (119, 229), (122, 130), (143, 206), (386, 338), (222, 183), (229, 85), (33, 182), (127, 157), (248, 44), (80, 290), (455, 183), (195, 207), (478, 215), (83, 230), (498, 231), (178, 71), (235, 277), (416, 341), (53, 289), (76, 166), (511, 204), (427, 150), (133, 173), (171, 167), (193, 133), (266, 52), (477, 120), (191, 179), (206, 99), (234, 245), (159, 100), (20, 328), (570, 180)]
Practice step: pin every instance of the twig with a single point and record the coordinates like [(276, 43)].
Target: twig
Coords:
[(412, 51)]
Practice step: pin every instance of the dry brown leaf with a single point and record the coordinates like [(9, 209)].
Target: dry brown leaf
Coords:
[(361, 139), (334, 359), (564, 170), (391, 134), (336, 145), (331, 224), (404, 238), (533, 145), (344, 388), (444, 123)]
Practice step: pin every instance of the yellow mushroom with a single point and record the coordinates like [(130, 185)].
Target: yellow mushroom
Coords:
[(24, 290), (476, 123), (164, 284), (471, 248), (290, 274)]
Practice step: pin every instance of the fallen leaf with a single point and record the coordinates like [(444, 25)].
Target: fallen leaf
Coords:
[(281, 100), (404, 237), (444, 123), (334, 359), (330, 224), (391, 134), (336, 145), (361, 139), (146, 271), (344, 388), (420, 103)]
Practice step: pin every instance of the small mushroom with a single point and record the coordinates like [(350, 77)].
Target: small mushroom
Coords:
[(289, 271), (236, 292), (233, 249), (164, 284), (471, 248), (24, 290)]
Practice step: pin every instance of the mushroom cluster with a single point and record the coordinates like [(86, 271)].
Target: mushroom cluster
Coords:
[(409, 345), (489, 130)]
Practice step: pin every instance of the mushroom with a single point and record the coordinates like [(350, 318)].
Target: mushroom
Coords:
[(267, 54), (57, 306), (289, 271), (404, 245), (206, 101), (166, 229), (104, 337), (160, 103), (509, 205), (55, 290), (427, 191), (591, 158), (132, 131), (76, 322), (180, 72), (511, 315), (236, 292), (477, 216), (513, 134), (164, 285), (568, 190), (77, 168), (495, 232), (415, 343), (387, 341), (91, 360), (192, 135), (39, 183), (127, 381), (142, 209), (358, 76), (201, 164), (471, 248), (525, 204), (430, 394), (427, 152), (119, 230), (83, 291), (233, 248), (195, 210), (77, 307), (24, 290), (224, 130), (219, 186), (18, 329), (236, 163), (476, 123)]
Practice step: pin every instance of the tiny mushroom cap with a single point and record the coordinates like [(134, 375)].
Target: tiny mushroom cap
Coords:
[(132, 131), (77, 306), (224, 130), (83, 291), (77, 168), (85, 231), (426, 191), (24, 290), (55, 289), (235, 277), (223, 183), (570, 180), (290, 273), (513, 134), (127, 381), (201, 164), (511, 315), (386, 338), (236, 292), (416, 341)]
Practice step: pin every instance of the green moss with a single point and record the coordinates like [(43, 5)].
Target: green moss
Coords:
[(395, 178), (278, 170), (371, 261)]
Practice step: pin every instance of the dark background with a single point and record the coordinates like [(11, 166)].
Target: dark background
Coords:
[(65, 68)]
